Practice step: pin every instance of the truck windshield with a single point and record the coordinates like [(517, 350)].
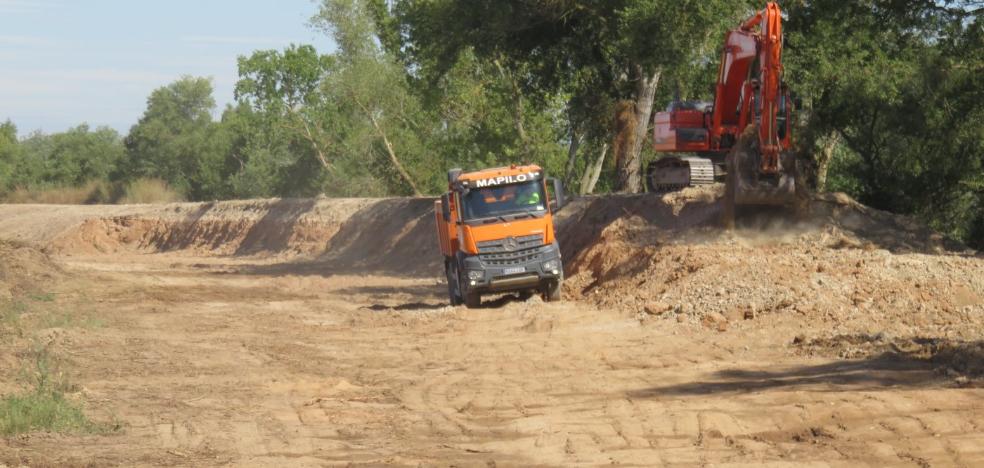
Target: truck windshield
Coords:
[(527, 197)]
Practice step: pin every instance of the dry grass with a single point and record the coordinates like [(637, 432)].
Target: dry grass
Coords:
[(149, 191), (97, 193), (93, 192)]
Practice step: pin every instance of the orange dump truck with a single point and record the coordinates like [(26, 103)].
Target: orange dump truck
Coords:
[(496, 232)]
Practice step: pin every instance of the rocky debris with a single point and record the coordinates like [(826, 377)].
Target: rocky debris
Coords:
[(715, 321), (820, 272), (657, 308), (862, 283), (750, 312)]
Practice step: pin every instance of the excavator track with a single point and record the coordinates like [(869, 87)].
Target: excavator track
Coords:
[(670, 174)]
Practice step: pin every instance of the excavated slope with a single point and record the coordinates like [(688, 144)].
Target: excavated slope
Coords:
[(398, 234)]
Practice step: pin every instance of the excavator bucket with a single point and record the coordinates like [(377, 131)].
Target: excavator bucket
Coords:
[(745, 184)]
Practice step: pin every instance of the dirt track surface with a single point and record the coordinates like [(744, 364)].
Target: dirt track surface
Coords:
[(322, 337)]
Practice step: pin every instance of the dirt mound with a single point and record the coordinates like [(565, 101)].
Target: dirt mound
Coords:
[(395, 236), (846, 267), (866, 226), (23, 269), (290, 226), (808, 273), (582, 223)]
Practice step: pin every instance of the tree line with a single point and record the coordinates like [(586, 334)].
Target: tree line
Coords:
[(890, 90)]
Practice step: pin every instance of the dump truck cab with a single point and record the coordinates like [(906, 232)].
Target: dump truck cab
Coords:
[(496, 233)]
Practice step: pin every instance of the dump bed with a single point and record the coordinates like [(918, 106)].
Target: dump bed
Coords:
[(446, 234)]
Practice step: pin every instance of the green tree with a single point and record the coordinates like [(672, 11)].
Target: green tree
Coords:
[(70, 158), (9, 155), (259, 156), (377, 112), (73, 157), (893, 104), (625, 47), (173, 140), (287, 86)]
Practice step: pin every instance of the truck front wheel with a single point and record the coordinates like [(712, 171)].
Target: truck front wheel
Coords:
[(551, 290), (473, 300), (454, 294)]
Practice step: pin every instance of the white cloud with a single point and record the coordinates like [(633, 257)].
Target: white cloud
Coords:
[(112, 75), (26, 6), (30, 78), (26, 40), (235, 40)]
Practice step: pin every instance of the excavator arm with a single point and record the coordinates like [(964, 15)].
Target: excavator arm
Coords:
[(769, 23), (749, 86)]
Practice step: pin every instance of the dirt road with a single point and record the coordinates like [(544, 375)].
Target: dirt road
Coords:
[(267, 361)]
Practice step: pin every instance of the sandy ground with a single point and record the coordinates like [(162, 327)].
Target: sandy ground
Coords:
[(265, 361)]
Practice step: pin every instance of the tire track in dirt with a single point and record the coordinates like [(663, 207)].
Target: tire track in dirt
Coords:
[(320, 378)]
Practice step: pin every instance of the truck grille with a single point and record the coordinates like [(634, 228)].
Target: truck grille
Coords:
[(510, 244), (510, 258)]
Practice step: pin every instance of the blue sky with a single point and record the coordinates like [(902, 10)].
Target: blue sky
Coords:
[(64, 62)]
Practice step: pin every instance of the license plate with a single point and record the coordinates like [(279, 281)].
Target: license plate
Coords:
[(513, 271)]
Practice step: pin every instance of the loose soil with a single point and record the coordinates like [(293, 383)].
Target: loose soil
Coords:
[(315, 332)]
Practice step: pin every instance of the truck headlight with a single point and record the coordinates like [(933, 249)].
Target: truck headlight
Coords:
[(552, 266), (476, 274)]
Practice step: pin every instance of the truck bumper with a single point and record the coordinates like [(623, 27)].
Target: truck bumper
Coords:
[(512, 271)]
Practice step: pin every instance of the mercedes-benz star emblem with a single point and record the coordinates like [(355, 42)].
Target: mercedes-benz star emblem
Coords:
[(511, 244)]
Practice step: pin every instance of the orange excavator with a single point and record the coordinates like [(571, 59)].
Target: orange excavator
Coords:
[(744, 136)]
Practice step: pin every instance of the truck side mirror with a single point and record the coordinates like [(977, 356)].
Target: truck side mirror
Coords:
[(560, 199), (453, 175), (446, 207)]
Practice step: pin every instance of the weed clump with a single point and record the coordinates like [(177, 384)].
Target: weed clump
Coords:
[(45, 406), (42, 411)]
